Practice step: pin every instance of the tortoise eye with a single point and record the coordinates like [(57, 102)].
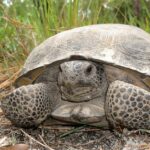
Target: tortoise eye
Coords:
[(89, 69)]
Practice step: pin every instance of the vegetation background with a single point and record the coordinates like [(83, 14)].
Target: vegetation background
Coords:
[(26, 23)]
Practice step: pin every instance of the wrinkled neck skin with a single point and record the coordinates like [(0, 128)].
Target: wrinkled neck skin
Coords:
[(83, 87)]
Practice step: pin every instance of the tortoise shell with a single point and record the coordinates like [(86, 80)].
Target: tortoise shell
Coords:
[(123, 46)]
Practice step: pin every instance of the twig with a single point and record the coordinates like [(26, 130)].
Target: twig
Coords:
[(46, 146), (43, 141)]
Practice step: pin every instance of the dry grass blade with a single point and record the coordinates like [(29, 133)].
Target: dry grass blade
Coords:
[(9, 82), (72, 131), (16, 23), (25, 50), (144, 146)]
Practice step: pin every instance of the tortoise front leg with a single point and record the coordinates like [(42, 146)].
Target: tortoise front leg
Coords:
[(128, 106), (29, 105)]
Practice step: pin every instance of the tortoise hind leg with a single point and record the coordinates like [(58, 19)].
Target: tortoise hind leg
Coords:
[(28, 105), (128, 106)]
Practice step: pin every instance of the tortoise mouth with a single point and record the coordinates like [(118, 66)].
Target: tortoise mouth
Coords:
[(79, 113), (79, 94)]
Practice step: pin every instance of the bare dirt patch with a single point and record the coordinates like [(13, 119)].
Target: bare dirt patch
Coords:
[(71, 138)]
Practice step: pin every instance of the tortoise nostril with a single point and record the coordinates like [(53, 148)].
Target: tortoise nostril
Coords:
[(89, 69), (60, 68)]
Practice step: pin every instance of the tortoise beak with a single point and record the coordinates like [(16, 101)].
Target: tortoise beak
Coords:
[(81, 113)]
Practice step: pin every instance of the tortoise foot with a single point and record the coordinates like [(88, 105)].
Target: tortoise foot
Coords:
[(28, 105), (128, 106)]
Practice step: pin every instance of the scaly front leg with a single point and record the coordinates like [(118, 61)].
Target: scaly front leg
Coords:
[(128, 106), (28, 105)]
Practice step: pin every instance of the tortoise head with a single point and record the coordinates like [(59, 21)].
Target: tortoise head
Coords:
[(81, 80), (83, 86)]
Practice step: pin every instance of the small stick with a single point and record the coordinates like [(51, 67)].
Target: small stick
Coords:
[(43, 140)]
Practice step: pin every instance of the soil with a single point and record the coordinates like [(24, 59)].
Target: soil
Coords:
[(72, 138)]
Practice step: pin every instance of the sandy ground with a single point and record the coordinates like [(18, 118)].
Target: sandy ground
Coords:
[(71, 138)]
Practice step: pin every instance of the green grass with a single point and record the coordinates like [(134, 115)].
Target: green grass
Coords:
[(23, 25)]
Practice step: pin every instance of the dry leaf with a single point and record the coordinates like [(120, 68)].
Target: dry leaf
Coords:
[(16, 147)]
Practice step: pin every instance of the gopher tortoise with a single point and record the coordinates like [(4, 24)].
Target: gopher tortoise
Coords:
[(87, 75)]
